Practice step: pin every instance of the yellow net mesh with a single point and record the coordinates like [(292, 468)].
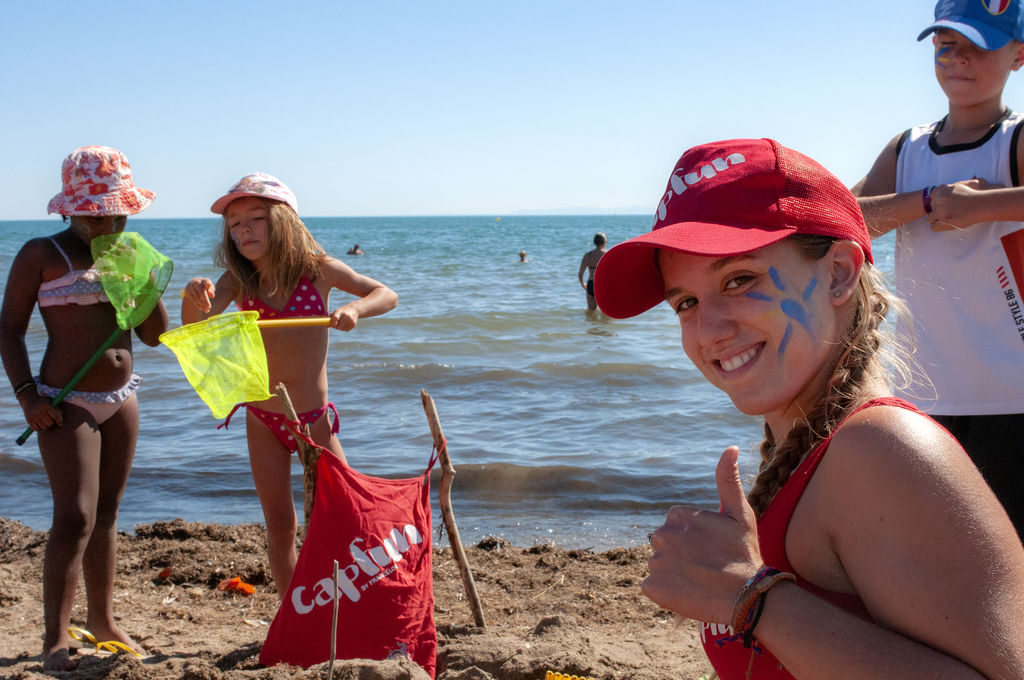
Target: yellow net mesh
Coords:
[(223, 358)]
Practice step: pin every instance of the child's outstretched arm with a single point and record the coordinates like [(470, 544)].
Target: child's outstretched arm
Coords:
[(19, 301), (201, 299), (374, 297)]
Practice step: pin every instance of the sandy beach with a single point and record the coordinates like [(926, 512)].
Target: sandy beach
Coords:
[(576, 612)]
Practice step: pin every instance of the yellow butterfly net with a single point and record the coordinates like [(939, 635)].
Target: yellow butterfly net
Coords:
[(223, 359)]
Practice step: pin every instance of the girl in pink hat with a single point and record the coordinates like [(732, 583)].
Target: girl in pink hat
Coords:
[(275, 266), (868, 545), (87, 441)]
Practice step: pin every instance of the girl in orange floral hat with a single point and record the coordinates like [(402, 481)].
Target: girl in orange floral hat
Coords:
[(87, 441)]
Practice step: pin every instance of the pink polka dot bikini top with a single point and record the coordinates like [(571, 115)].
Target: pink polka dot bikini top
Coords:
[(305, 301)]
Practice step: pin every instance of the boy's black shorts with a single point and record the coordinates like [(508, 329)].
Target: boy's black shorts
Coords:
[(996, 445)]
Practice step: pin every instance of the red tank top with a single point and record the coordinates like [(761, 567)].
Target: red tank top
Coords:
[(305, 301), (725, 651)]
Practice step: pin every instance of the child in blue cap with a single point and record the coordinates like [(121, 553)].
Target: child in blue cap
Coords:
[(951, 192)]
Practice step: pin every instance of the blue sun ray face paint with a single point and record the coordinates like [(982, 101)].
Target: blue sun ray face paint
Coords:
[(777, 278), (810, 289), (792, 308), (785, 339), (754, 295), (795, 311), (943, 56)]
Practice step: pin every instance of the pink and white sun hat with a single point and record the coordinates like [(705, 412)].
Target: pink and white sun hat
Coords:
[(258, 184), (98, 181)]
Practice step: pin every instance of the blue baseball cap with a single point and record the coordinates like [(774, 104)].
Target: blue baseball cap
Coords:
[(989, 24)]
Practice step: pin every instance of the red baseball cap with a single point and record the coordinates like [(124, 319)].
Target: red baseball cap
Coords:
[(728, 198)]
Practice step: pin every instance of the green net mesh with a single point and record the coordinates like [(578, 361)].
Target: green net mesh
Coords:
[(223, 358), (133, 274)]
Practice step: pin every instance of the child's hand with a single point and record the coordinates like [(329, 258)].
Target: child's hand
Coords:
[(40, 414), (344, 318), (199, 291), (952, 204)]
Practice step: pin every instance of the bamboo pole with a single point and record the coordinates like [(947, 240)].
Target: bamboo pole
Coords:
[(294, 322), (307, 454), (445, 499)]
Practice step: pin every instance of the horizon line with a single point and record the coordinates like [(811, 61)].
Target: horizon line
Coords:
[(136, 218)]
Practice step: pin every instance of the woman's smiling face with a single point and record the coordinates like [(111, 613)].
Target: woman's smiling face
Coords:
[(759, 326)]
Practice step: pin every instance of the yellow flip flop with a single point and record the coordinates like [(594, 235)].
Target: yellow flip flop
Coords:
[(105, 647), (115, 647), (82, 635)]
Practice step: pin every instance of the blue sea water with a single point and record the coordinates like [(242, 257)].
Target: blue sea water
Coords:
[(563, 427)]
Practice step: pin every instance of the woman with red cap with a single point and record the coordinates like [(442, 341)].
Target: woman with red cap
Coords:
[(87, 441), (868, 546)]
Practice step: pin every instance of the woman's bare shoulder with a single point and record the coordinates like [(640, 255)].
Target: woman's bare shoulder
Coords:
[(883, 432), (896, 468), (892, 453)]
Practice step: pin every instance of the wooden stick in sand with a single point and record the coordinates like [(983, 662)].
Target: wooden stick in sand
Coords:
[(334, 626), (307, 454), (445, 498)]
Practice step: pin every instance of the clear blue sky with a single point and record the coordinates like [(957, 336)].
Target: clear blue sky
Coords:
[(449, 107)]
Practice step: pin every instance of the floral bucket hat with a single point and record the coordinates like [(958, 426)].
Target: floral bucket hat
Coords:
[(258, 184), (98, 181)]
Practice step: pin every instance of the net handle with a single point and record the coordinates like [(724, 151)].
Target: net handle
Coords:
[(296, 322)]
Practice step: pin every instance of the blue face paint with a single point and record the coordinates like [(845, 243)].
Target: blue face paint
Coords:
[(754, 295), (942, 56), (794, 309), (810, 289), (785, 339)]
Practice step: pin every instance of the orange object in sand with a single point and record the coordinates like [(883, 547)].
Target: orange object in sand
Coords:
[(164, 573), (238, 585)]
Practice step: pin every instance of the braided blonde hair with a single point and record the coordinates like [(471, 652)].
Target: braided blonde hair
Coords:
[(845, 390)]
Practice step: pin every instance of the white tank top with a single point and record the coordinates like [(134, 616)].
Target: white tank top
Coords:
[(964, 287)]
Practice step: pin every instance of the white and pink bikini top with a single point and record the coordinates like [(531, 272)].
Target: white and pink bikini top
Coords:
[(77, 287)]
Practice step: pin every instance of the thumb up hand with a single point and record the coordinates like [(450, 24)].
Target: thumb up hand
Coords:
[(731, 495), (702, 558)]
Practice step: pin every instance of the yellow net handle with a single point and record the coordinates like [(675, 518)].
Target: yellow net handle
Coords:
[(295, 322)]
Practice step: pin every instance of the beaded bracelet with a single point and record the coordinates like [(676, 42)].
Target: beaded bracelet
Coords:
[(926, 199), (747, 611), (23, 386)]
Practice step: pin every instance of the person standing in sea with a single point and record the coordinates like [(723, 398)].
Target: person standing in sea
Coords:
[(589, 264), (87, 442)]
